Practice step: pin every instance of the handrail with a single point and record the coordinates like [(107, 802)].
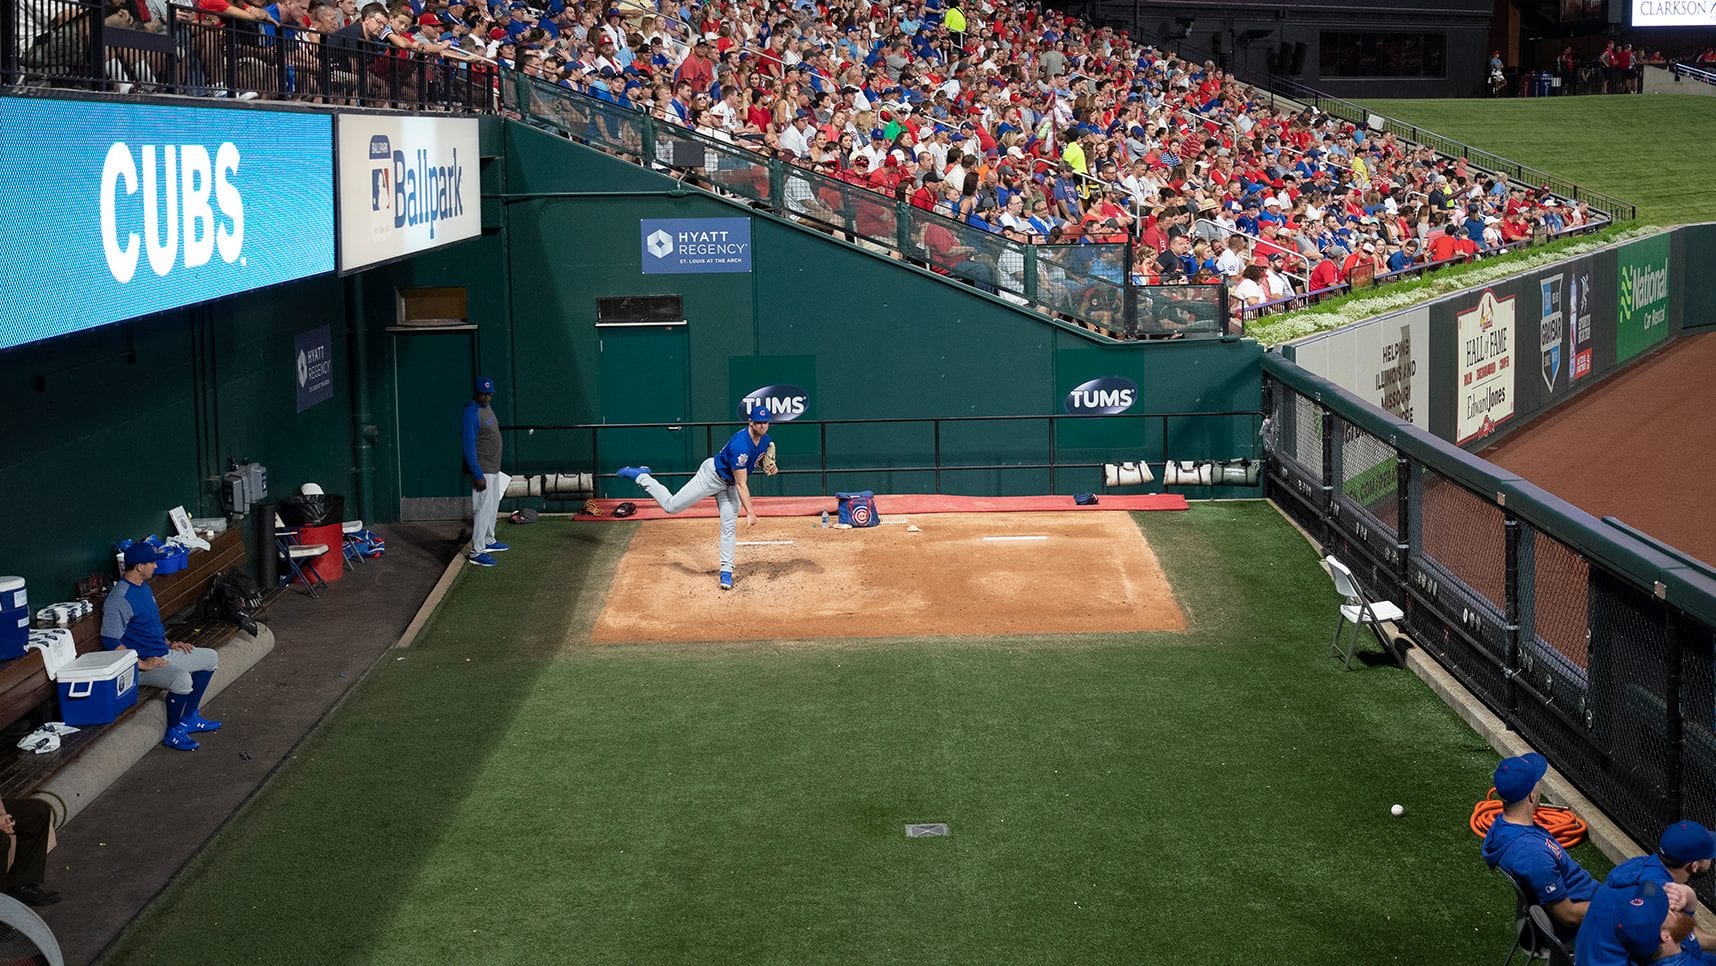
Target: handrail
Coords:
[(1696, 73), (1259, 240)]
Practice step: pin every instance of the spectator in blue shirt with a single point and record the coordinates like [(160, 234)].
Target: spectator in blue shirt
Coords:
[(1517, 845)]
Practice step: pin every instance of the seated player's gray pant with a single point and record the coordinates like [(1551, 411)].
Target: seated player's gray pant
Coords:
[(703, 483), (176, 676)]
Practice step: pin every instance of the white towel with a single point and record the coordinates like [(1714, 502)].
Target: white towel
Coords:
[(56, 646)]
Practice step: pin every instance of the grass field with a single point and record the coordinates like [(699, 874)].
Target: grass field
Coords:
[(1651, 150), (505, 792)]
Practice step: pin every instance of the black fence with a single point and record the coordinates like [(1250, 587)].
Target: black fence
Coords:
[(124, 47), (941, 454), (1588, 638)]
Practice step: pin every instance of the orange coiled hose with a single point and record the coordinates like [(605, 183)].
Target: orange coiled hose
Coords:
[(1559, 821)]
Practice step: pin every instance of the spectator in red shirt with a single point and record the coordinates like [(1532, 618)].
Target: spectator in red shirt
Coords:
[(1326, 274)]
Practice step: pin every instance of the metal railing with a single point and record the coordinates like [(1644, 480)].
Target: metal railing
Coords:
[(104, 46), (1090, 283), (1693, 73), (1036, 438), (1592, 643)]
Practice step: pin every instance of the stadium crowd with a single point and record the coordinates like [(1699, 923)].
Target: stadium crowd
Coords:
[(1015, 120)]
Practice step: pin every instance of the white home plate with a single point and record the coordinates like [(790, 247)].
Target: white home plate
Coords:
[(1029, 537), (763, 543)]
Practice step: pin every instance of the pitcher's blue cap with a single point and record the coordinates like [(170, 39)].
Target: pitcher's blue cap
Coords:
[(141, 553), (760, 414), (1516, 777), (485, 386)]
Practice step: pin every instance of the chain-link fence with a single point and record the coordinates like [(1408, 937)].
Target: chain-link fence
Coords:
[(1593, 643)]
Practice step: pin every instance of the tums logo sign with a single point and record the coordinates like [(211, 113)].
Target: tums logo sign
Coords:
[(1104, 396)]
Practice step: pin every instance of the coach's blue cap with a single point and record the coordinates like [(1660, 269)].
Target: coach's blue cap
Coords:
[(1640, 924), (760, 414), (485, 386), (1516, 777), (1685, 842), (141, 553)]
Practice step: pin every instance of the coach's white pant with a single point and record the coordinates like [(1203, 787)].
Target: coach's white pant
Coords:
[(703, 483), (485, 507)]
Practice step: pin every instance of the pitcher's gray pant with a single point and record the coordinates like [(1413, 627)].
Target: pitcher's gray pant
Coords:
[(176, 676), (703, 483)]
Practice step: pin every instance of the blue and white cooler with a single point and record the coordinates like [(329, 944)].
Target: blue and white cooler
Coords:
[(14, 618), (98, 687)]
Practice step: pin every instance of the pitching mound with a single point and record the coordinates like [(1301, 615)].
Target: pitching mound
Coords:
[(963, 575)]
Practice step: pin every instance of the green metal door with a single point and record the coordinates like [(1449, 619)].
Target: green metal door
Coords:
[(432, 382), (645, 378)]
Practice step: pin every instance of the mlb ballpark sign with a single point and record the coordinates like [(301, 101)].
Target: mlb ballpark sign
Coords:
[(1486, 366), (313, 365), (689, 246), (1642, 320), (114, 211), (407, 185)]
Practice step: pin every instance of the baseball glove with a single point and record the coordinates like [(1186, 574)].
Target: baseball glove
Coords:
[(767, 462), (591, 508)]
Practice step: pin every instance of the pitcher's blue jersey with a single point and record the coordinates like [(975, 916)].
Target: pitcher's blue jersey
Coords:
[(739, 454)]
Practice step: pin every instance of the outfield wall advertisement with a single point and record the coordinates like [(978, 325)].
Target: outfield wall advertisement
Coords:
[(1642, 303), (131, 209), (1472, 366), (407, 185)]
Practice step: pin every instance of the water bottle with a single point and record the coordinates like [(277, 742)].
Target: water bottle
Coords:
[(825, 519)]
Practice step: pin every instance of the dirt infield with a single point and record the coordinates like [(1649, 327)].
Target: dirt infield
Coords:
[(1641, 447), (1049, 573)]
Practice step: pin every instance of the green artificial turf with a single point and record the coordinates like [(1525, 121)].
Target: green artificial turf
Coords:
[(1651, 149), (504, 792)]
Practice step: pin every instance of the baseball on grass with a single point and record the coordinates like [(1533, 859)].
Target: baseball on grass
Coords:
[(1397, 810)]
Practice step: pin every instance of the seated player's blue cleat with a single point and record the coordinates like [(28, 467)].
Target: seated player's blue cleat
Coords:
[(177, 739), (482, 560), (496, 548), (632, 472), (194, 723), (726, 580)]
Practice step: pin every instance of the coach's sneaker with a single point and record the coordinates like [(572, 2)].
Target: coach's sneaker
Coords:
[(496, 548), (632, 472), (482, 560), (726, 580)]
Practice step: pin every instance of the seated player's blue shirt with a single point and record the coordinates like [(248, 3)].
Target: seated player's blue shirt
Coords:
[(1598, 944), (739, 454), (1533, 856), (130, 617)]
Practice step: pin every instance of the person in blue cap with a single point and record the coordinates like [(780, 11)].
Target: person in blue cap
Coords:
[(130, 619), (1686, 849), (1654, 934), (723, 476), (1517, 845), (481, 436)]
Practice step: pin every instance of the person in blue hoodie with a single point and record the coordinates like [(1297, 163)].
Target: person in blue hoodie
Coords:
[(1685, 850), (1517, 845)]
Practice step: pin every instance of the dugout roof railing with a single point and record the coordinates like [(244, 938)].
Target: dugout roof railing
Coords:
[(1592, 641)]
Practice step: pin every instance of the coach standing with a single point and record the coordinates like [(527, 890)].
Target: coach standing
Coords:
[(482, 443)]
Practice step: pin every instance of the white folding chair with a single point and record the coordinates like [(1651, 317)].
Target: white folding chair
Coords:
[(349, 540), (1356, 610), (295, 553)]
